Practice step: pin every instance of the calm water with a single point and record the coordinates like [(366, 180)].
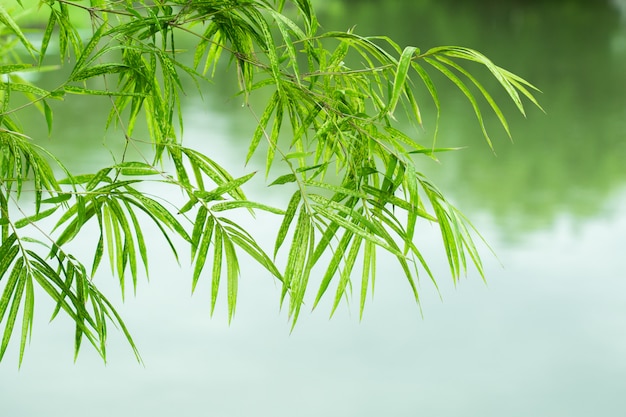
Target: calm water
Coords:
[(545, 337)]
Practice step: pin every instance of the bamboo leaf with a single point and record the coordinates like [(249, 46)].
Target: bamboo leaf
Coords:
[(232, 275), (484, 92), (198, 227), (229, 205), (369, 270), (400, 77), (8, 252), (136, 168), (287, 219), (333, 264), (202, 251), (225, 188), (7, 69), (217, 266), (13, 292), (262, 124), (99, 69), (255, 251), (296, 272), (284, 179), (461, 86), (47, 34), (27, 317), (32, 219), (73, 89), (348, 266), (7, 20)]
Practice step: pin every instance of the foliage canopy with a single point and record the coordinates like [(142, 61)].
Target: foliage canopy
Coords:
[(328, 121)]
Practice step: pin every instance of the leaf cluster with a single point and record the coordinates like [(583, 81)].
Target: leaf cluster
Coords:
[(328, 128)]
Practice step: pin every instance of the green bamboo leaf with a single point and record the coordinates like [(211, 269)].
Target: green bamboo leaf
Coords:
[(141, 244), (369, 231), (461, 86), (269, 45), (273, 138), (16, 285), (217, 267), (284, 179), (416, 147), (298, 301), (8, 21), (248, 244), (77, 179), (188, 205), (285, 26), (25, 88), (262, 124), (333, 264), (127, 254), (35, 217), (8, 251), (369, 270), (473, 55), (48, 279), (348, 266), (158, 213), (97, 256), (83, 214), (388, 187), (217, 174), (107, 221), (7, 69), (198, 227), (449, 242), (232, 275), (229, 205), (27, 317), (161, 217), (10, 286), (215, 36), (88, 50), (327, 237), (225, 188), (296, 272), (400, 77), (136, 168), (287, 219), (101, 176), (81, 298), (309, 15), (99, 69), (202, 250), (49, 116), (72, 89), (339, 190), (521, 84), (484, 92), (169, 68), (411, 186), (119, 248), (120, 323), (47, 34), (202, 45)]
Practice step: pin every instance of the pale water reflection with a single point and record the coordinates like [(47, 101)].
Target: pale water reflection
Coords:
[(545, 337)]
